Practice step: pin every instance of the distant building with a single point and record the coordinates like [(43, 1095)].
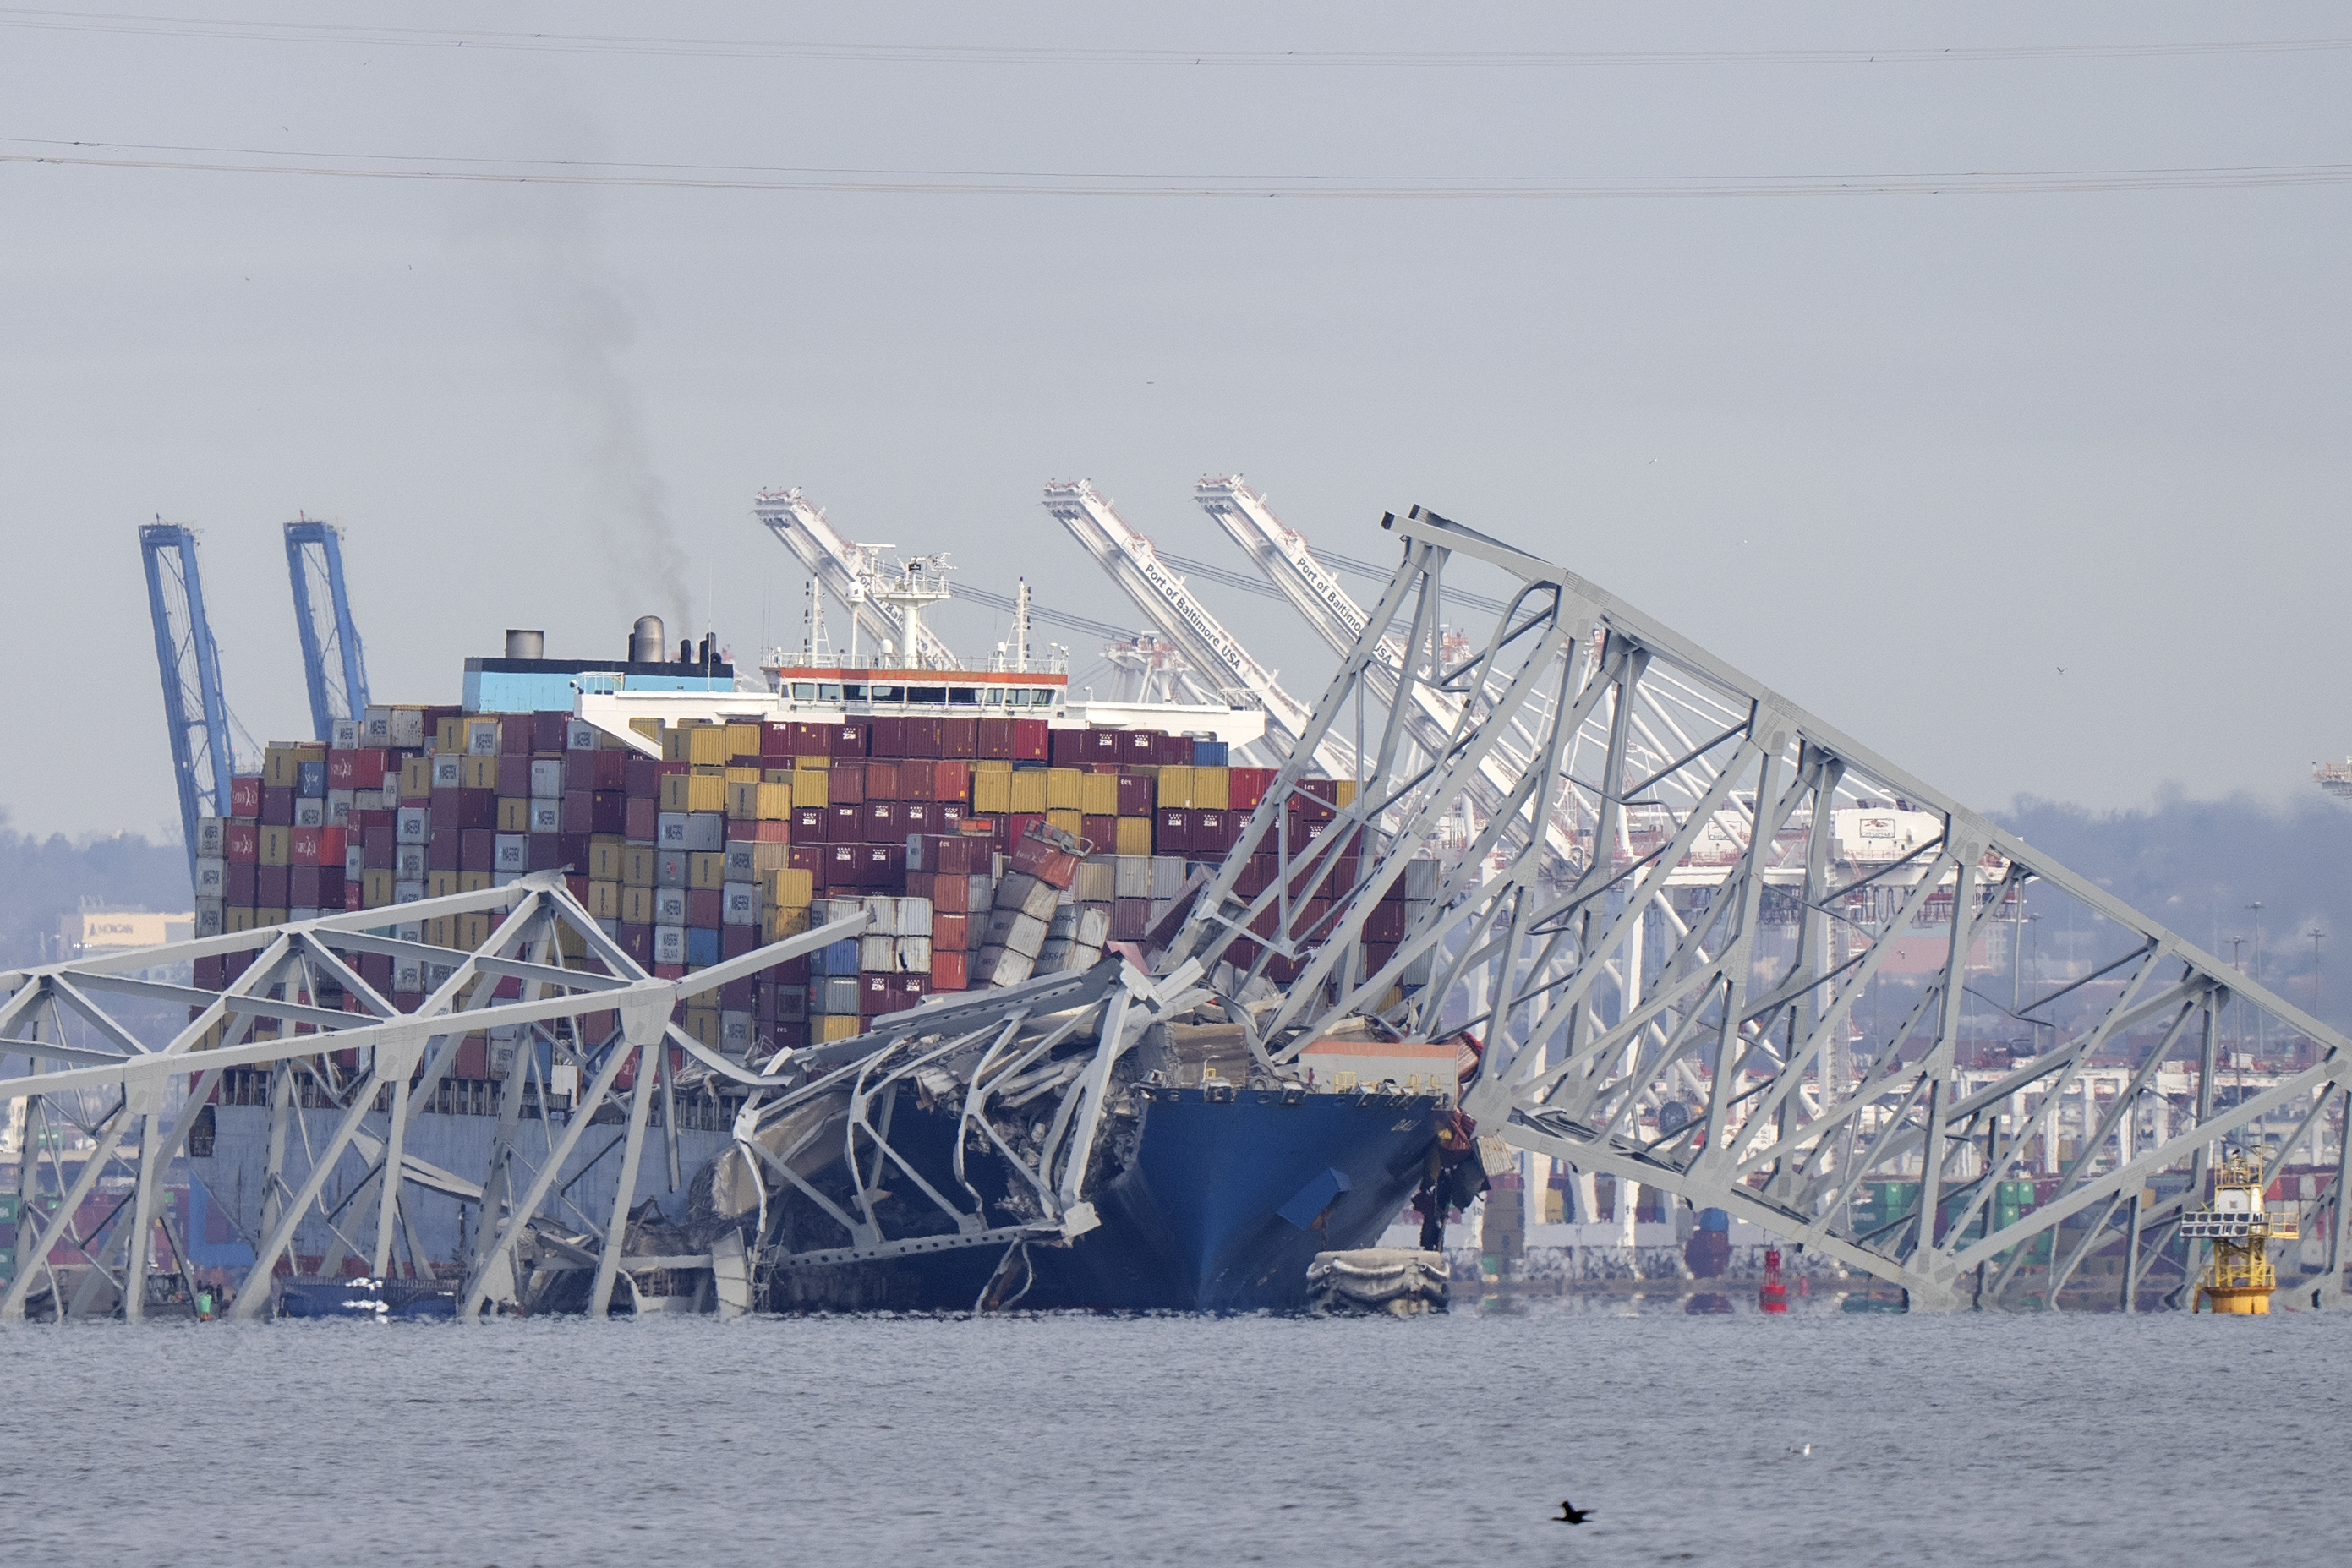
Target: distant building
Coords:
[(101, 933)]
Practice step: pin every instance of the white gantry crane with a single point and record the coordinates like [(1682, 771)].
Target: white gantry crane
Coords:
[(1433, 718), (848, 572), (1217, 658)]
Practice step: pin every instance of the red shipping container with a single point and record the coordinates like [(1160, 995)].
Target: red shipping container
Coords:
[(1136, 794), (882, 779), (807, 824), (776, 744), (846, 741), (1129, 919), (1212, 832), (1172, 832), (918, 817), (846, 784), (1100, 833), (1245, 787), (1141, 747), (270, 889), (1043, 859), (241, 842), (734, 941), (809, 855), (959, 737), (548, 727), (516, 732), (360, 768), (947, 897), (641, 823), (245, 797), (705, 906), (887, 738), (473, 1058), (1385, 923), (885, 824), (477, 850), (1257, 874), (643, 776), (876, 995), (919, 737), (1030, 739), (951, 781), (996, 740), (740, 832), (354, 894), (952, 816), (238, 884), (464, 809), (843, 865), (844, 823), (1015, 829), (811, 740), (547, 854), (885, 867), (514, 775), (951, 931), (951, 969), (911, 988), (277, 808), (1067, 749), (441, 852), (376, 851), (914, 780), (596, 771)]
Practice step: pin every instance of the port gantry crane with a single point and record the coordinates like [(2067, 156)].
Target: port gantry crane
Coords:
[(1753, 997), (1214, 653), (195, 709), (334, 666)]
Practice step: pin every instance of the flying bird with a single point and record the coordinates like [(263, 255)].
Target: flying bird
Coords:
[(1570, 1514), (2062, 669)]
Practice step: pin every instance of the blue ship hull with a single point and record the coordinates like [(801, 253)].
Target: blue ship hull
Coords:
[(1222, 1205)]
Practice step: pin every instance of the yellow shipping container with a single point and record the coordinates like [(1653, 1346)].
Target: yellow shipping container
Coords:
[(706, 793), (605, 857), (604, 900), (992, 793), (786, 888), (651, 728), (236, 917), (376, 890), (449, 736), (1098, 794), (673, 740), (277, 846), (637, 905), (278, 770), (1211, 789), (707, 743), (775, 925), (742, 740), (1028, 792), (991, 765), (1064, 789), (514, 815), (473, 930), (805, 763), (812, 787), (1134, 836), (441, 931), (736, 773), (742, 801), (1175, 791), (478, 772), (570, 943), (827, 1027), (672, 790), (776, 776), (702, 1023), (269, 917), (440, 884), (774, 802), (476, 881), (416, 779), (705, 870), (637, 866), (1346, 792), (1071, 822)]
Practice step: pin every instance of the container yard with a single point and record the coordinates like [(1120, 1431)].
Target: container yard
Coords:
[(918, 983)]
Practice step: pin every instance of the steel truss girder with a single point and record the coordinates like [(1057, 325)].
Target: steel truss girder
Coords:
[(535, 917), (1579, 1036)]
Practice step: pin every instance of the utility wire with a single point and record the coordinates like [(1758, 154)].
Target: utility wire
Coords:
[(375, 36), (988, 183), (1041, 613)]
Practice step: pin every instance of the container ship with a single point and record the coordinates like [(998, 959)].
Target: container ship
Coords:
[(954, 1108)]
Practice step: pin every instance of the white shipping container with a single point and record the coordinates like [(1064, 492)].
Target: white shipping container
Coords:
[(305, 913), (734, 1033), (878, 954), (1001, 967), (482, 736), (739, 861), (706, 832), (408, 892), (1131, 876), (309, 811), (1025, 894), (914, 954), (669, 907), (914, 917), (406, 930), (578, 734), (835, 994), (449, 771), (375, 725), (212, 876), (409, 826), (1420, 879), (344, 733), (408, 972), (1016, 932), (1096, 883), (881, 917), (1167, 875), (209, 918), (547, 778), (510, 851), (669, 943), (739, 903), (408, 863), (339, 808), (1094, 929), (407, 729), (354, 858), (507, 878), (211, 836), (546, 816), (669, 868), (669, 829)]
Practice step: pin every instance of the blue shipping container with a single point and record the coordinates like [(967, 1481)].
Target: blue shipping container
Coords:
[(310, 780), (701, 946)]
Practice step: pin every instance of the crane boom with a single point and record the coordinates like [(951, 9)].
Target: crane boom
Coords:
[(334, 666), (196, 711), (1435, 719), (842, 567), (1217, 656)]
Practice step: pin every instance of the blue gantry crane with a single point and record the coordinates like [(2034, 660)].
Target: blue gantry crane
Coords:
[(334, 666), (194, 710)]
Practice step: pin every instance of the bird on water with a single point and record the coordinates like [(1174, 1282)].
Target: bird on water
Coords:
[(1570, 1514)]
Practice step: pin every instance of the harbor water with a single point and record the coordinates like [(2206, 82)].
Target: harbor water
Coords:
[(1820, 1438)]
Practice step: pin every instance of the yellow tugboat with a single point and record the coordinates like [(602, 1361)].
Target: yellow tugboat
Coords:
[(2241, 1277)]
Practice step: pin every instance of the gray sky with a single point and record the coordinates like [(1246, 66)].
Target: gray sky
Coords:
[(1900, 455)]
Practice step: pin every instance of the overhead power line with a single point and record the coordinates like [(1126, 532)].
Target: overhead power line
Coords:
[(998, 182), (1037, 611), (376, 36)]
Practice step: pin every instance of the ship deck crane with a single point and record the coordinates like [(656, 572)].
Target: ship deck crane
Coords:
[(1215, 655), (334, 666), (844, 568), (195, 710)]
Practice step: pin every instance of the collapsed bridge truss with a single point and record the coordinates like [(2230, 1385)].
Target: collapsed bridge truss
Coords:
[(1813, 1003)]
